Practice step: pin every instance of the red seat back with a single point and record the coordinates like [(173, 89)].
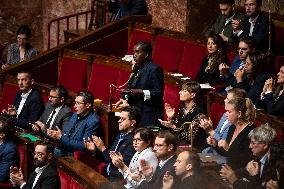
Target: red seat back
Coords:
[(279, 41), (101, 78), (8, 94), (216, 112), (168, 53), (73, 74), (65, 179), (123, 77), (171, 96), (278, 62), (192, 57), (138, 35)]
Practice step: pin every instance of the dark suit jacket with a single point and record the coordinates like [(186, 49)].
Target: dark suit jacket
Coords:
[(32, 109), (77, 129), (61, 118), (125, 147), (274, 106), (149, 77), (8, 156), (49, 179), (260, 32), (157, 179)]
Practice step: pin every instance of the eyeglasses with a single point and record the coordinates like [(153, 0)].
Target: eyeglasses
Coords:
[(123, 119), (255, 143), (38, 154), (77, 103), (137, 140), (49, 96), (22, 38)]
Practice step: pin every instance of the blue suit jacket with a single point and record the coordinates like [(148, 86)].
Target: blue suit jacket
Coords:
[(32, 109), (218, 135), (8, 156), (149, 77), (72, 138)]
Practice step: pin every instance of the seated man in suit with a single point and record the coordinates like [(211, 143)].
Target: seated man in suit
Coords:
[(83, 124), (146, 86), (44, 176), (256, 25), (223, 23), (257, 172), (188, 173), (9, 155), (28, 104), (165, 149), (129, 120), (56, 112)]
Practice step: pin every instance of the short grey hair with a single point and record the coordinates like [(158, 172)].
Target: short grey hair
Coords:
[(263, 133)]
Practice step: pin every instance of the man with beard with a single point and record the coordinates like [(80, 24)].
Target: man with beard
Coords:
[(44, 176), (188, 173), (56, 112), (28, 104)]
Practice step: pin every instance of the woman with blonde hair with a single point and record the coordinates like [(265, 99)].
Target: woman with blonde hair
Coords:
[(241, 113)]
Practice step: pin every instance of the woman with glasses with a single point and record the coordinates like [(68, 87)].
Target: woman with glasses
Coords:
[(142, 143), (189, 110), (21, 50)]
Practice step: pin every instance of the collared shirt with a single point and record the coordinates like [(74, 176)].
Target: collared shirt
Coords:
[(162, 163), (224, 125), (23, 100), (38, 171), (147, 95), (252, 24), (54, 116), (262, 163)]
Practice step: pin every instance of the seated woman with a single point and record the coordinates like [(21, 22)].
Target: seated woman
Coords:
[(8, 150), (188, 112), (21, 50), (241, 113), (209, 70), (272, 99), (142, 143), (253, 76)]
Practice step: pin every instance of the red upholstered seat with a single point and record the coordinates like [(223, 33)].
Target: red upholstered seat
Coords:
[(4, 185), (75, 185), (168, 53), (279, 41), (192, 57), (138, 35), (90, 161), (278, 62), (8, 94), (216, 112), (231, 56), (101, 78), (73, 73), (64, 179), (171, 96)]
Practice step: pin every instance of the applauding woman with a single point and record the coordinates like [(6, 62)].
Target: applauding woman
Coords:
[(272, 98), (142, 143), (188, 111), (241, 113)]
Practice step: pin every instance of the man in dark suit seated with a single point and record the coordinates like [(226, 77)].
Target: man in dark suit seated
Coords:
[(28, 104), (145, 87), (129, 120), (82, 124), (44, 176), (256, 25), (56, 112), (188, 173), (9, 155), (223, 23), (165, 149)]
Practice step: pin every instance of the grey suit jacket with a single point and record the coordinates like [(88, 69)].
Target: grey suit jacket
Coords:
[(61, 118)]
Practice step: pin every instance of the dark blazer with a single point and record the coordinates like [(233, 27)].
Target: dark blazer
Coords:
[(61, 118), (49, 179), (9, 156), (157, 180), (274, 106), (239, 153), (219, 25), (260, 32), (149, 77), (32, 109), (125, 147), (77, 129)]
